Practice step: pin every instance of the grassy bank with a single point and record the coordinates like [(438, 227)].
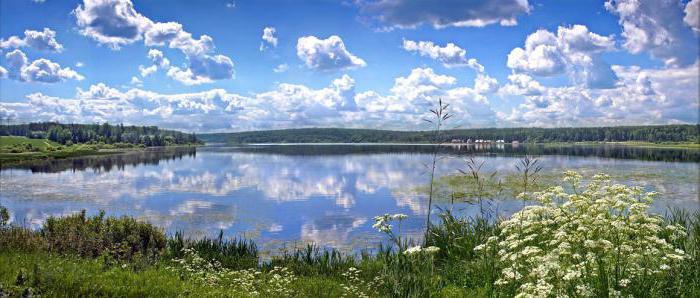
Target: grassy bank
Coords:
[(15, 150), (596, 239)]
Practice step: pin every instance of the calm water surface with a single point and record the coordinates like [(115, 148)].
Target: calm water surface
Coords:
[(287, 195)]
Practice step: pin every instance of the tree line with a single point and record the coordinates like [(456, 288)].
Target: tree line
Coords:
[(106, 133), (657, 133)]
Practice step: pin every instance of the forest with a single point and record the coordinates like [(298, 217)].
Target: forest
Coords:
[(68, 134), (656, 134)]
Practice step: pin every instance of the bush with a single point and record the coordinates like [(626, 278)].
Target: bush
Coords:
[(121, 238)]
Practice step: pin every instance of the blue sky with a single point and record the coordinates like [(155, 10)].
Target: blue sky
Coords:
[(242, 65)]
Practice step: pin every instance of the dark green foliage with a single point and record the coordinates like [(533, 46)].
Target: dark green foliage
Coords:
[(105, 133), (4, 216), (120, 239), (661, 133)]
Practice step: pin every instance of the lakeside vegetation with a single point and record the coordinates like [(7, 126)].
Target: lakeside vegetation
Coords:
[(579, 239), (68, 134), (47, 140), (678, 135)]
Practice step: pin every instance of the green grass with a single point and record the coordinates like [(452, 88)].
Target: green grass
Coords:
[(38, 143), (14, 150)]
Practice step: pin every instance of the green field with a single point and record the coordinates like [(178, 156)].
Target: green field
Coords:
[(39, 143), (15, 150)]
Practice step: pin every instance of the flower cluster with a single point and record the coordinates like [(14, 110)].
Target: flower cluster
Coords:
[(592, 241), (417, 250), (383, 222), (354, 285), (275, 283)]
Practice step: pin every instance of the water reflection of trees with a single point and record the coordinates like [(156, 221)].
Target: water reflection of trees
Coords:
[(607, 151), (106, 163)]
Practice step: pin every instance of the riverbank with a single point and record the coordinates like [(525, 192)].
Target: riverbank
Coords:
[(568, 244), (675, 145), (20, 150)]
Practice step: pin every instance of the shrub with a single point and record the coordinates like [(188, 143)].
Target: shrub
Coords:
[(594, 241), (4, 216), (121, 238)]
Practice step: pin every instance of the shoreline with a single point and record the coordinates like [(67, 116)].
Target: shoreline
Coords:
[(14, 159), (635, 144)]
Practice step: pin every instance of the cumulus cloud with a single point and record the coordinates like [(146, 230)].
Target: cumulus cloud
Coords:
[(3, 72), (116, 23), (38, 40), (158, 59), (111, 22), (692, 15), (573, 50), (391, 14), (326, 54), (39, 70), (658, 27), (284, 106), (522, 84), (159, 62), (450, 55), (269, 38), (648, 96)]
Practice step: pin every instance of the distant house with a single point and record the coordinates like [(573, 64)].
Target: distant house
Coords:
[(457, 141)]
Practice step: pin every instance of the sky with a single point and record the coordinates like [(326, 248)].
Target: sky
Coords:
[(235, 65)]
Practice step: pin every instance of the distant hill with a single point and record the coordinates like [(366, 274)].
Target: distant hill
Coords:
[(660, 133)]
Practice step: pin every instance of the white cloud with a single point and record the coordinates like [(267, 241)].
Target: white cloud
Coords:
[(643, 96), (573, 50), (203, 69), (450, 55), (3, 72), (485, 84), (231, 4), (269, 38), (281, 68), (392, 14), (159, 61), (326, 54), (79, 64), (146, 71), (38, 40), (657, 27), (136, 81), (116, 23), (692, 15), (522, 84), (40, 70), (111, 22), (286, 105)]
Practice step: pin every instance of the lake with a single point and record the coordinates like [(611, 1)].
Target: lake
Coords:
[(287, 195)]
